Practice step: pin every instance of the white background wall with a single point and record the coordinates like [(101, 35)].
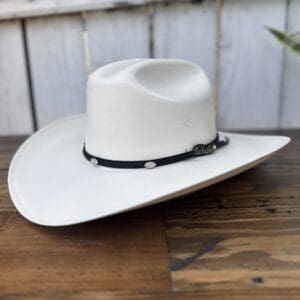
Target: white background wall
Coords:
[(47, 49)]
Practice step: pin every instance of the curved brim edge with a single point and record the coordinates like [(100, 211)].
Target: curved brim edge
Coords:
[(25, 199)]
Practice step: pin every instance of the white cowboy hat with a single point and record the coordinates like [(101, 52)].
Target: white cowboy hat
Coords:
[(149, 135)]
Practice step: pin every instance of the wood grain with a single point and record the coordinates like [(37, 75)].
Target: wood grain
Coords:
[(238, 239), (291, 87), (126, 252), (240, 234), (15, 113), (57, 65), (251, 64), (117, 35), (8, 146), (186, 31)]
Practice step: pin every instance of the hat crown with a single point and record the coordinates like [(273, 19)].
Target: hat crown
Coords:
[(143, 109)]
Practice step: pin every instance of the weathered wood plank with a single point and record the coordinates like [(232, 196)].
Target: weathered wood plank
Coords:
[(57, 66), (126, 252), (8, 146), (241, 234), (117, 35), (218, 246), (27, 8), (186, 31), (15, 112), (251, 63), (290, 116)]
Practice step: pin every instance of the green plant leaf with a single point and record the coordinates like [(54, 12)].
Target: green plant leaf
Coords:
[(288, 40)]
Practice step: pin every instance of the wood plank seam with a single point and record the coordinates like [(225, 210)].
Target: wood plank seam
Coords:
[(283, 67), (29, 77), (151, 12), (217, 53)]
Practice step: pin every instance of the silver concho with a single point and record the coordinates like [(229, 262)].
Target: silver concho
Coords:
[(150, 165), (94, 161)]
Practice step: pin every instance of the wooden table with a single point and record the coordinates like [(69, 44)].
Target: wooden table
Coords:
[(239, 239)]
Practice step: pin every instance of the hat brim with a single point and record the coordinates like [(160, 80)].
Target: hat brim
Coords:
[(51, 183)]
